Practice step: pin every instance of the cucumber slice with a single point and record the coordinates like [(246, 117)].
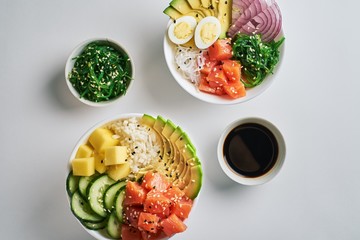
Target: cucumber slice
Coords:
[(119, 203), (95, 226), (82, 209), (72, 184), (113, 227), (110, 194), (96, 192), (84, 183)]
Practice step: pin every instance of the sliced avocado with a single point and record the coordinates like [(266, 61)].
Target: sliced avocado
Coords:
[(184, 7), (215, 6), (148, 120), (193, 188), (193, 161), (183, 141), (188, 152), (206, 3), (175, 14), (224, 16), (184, 178), (172, 12), (173, 137), (159, 126), (196, 5), (167, 130)]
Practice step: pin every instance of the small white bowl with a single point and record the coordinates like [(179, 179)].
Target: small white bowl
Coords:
[(274, 170), (71, 61), (169, 51)]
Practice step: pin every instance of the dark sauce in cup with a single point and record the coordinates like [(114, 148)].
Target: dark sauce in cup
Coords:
[(250, 149)]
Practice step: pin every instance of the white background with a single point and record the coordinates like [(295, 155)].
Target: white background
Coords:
[(314, 102)]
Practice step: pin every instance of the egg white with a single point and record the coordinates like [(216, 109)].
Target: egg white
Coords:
[(199, 41), (189, 20)]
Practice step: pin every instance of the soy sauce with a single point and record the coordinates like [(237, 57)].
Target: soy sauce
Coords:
[(250, 149)]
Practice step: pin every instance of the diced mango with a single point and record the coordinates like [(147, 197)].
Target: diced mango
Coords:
[(84, 151), (83, 166), (99, 162), (119, 171), (102, 138), (115, 155)]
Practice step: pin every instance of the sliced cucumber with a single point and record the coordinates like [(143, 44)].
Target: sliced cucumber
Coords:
[(113, 227), (84, 183), (82, 209), (72, 184), (110, 194), (119, 203), (96, 192), (95, 226)]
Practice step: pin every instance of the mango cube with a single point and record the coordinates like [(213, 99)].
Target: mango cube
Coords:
[(119, 171), (115, 155), (99, 162), (102, 138), (84, 151), (83, 166)]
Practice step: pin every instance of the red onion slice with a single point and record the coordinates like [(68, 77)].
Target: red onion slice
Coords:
[(238, 8), (260, 17), (253, 10), (266, 23)]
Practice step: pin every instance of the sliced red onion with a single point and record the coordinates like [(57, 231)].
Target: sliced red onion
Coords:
[(249, 13), (238, 7), (265, 23), (260, 17)]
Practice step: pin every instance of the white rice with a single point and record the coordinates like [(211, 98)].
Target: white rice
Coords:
[(141, 142)]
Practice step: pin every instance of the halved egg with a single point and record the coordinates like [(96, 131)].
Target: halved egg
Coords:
[(207, 32), (182, 29)]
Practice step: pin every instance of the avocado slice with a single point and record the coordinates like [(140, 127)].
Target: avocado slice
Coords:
[(175, 14), (193, 188), (224, 16), (196, 5), (184, 140), (167, 130), (159, 126), (215, 6), (150, 122), (184, 7), (206, 3), (172, 12)]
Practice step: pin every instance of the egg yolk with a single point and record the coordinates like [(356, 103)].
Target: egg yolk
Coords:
[(183, 30), (208, 32)]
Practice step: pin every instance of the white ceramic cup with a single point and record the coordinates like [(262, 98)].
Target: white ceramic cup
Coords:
[(248, 180)]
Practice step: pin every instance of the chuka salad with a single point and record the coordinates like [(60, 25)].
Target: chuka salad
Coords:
[(101, 72)]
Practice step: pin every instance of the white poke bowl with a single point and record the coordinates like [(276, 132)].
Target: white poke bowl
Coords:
[(102, 234), (169, 52)]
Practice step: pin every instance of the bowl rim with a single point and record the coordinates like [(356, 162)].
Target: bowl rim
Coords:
[(251, 181), (70, 64), (101, 234), (169, 49)]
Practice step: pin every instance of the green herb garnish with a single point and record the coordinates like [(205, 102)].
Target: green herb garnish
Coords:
[(100, 72), (257, 58)]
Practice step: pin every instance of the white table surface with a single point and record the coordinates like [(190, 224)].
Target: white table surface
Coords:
[(314, 102)]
